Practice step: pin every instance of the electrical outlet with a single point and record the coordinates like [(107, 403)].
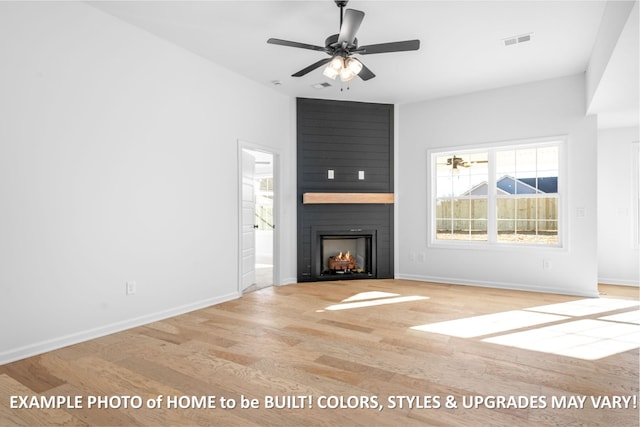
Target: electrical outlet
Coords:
[(421, 257), (131, 288), (546, 264), (412, 256), (361, 175)]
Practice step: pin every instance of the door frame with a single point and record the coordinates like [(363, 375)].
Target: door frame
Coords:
[(246, 145)]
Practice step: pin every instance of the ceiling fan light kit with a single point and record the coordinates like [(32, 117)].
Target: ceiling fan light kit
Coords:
[(333, 68), (343, 45), (347, 68)]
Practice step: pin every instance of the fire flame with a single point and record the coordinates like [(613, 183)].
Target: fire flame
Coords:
[(343, 262)]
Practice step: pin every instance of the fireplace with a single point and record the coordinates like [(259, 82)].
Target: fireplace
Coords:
[(344, 189), (344, 254)]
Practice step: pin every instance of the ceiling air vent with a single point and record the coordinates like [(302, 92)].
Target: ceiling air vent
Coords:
[(522, 38), (321, 85)]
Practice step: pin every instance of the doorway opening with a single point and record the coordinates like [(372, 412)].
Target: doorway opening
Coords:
[(257, 217)]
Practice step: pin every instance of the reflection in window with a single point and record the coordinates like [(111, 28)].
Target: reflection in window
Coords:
[(461, 212)]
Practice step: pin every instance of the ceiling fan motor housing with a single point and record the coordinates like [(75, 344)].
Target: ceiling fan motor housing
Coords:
[(332, 42)]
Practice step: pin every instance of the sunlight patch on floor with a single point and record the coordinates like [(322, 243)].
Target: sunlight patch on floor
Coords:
[(489, 323), (370, 295), (585, 307), (372, 303), (628, 317), (371, 299), (588, 339), (585, 339)]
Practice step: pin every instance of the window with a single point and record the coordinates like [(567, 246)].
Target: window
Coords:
[(504, 194), (461, 202)]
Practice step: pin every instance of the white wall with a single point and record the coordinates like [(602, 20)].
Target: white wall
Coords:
[(548, 108), (618, 259), (118, 162), (615, 16)]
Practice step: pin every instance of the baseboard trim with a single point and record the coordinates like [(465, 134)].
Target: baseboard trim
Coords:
[(499, 285), (618, 282), (89, 334), (288, 281)]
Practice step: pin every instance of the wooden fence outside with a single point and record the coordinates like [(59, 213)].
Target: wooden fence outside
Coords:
[(536, 215)]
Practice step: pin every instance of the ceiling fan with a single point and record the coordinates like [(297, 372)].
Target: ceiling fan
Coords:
[(340, 48), (454, 162)]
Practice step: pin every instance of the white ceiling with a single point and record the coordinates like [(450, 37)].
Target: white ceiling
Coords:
[(461, 51)]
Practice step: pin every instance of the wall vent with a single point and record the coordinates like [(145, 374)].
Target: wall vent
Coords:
[(522, 38)]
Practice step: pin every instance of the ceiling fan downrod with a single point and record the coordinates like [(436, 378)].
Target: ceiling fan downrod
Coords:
[(341, 4)]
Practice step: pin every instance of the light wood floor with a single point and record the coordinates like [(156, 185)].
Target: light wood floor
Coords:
[(306, 340)]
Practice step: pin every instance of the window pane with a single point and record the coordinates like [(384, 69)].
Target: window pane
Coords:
[(444, 185), (506, 208), (526, 161), (526, 226), (505, 163), (443, 226), (547, 161), (547, 184), (460, 173), (461, 208), (548, 227), (443, 208), (526, 208), (461, 226), (461, 219), (506, 226), (548, 208), (478, 209), (478, 229)]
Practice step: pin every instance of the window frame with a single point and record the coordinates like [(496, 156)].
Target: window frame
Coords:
[(635, 196), (491, 148)]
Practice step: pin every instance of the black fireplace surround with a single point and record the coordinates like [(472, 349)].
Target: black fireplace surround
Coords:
[(352, 140)]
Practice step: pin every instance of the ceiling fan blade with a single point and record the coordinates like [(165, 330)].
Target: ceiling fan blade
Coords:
[(350, 24), (297, 44), (388, 47), (366, 74), (311, 67)]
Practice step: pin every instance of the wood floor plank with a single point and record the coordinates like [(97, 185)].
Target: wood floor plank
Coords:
[(337, 353), (28, 417)]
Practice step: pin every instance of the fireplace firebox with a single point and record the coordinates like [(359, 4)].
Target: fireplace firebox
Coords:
[(344, 254)]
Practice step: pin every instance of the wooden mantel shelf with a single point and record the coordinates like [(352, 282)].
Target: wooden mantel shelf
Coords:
[(342, 198)]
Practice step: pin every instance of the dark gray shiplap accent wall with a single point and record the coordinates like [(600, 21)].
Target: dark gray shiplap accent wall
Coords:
[(347, 137)]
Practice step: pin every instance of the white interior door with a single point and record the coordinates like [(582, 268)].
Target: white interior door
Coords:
[(248, 221)]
